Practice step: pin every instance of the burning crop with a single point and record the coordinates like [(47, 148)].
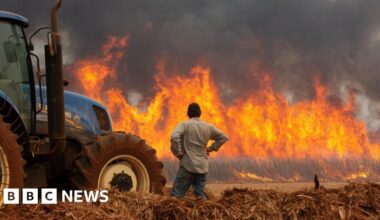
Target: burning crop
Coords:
[(260, 123)]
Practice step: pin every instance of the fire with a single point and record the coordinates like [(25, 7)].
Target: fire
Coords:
[(260, 125), (358, 175), (252, 176)]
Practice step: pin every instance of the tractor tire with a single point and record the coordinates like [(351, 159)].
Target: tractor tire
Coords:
[(121, 161), (11, 161)]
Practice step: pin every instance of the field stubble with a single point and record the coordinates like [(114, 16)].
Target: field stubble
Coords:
[(353, 201), (241, 189)]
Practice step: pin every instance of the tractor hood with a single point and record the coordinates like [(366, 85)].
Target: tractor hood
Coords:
[(80, 113)]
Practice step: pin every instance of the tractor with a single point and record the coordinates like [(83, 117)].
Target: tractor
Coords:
[(50, 137)]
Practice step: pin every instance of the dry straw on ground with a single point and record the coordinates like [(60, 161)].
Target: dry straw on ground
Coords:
[(354, 201)]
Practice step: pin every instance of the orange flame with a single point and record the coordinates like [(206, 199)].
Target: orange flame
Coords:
[(253, 176), (262, 124), (358, 175)]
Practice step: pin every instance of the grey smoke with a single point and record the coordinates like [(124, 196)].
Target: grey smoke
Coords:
[(293, 40)]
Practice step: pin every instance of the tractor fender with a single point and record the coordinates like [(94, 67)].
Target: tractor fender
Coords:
[(9, 100), (11, 115)]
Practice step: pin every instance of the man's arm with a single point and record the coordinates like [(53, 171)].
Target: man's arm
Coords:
[(219, 137), (176, 141)]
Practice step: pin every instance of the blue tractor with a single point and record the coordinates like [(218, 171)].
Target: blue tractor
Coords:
[(50, 137)]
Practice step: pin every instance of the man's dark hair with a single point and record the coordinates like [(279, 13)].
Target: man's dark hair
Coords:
[(194, 111)]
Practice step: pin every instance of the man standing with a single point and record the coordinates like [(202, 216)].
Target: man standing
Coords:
[(189, 144)]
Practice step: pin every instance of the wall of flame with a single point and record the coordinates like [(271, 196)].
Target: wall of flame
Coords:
[(260, 124)]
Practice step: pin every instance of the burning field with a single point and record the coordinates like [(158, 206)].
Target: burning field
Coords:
[(260, 124), (354, 201), (271, 139)]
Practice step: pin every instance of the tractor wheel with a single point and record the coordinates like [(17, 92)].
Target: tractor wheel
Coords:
[(11, 162), (121, 161)]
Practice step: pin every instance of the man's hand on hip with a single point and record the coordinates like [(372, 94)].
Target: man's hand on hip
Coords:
[(209, 150)]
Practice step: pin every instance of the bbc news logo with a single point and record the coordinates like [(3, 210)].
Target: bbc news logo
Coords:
[(50, 196)]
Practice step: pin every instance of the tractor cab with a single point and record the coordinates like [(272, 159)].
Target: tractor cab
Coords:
[(16, 77)]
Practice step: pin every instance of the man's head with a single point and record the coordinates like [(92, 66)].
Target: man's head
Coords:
[(194, 111)]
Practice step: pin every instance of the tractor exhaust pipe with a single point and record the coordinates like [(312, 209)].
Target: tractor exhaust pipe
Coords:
[(55, 37), (54, 86)]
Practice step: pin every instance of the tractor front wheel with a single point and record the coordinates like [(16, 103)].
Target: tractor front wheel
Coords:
[(121, 161), (11, 162)]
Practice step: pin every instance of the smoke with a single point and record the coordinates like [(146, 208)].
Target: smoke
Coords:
[(293, 40)]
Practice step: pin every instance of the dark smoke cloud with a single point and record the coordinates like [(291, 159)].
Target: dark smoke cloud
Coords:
[(294, 40)]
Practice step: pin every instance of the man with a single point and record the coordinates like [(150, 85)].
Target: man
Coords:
[(189, 144)]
